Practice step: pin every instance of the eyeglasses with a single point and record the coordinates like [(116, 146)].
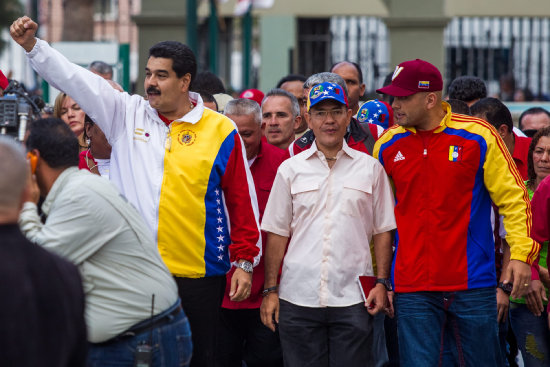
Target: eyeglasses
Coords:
[(322, 114)]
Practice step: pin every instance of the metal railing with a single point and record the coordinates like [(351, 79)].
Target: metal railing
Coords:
[(487, 47), (490, 47)]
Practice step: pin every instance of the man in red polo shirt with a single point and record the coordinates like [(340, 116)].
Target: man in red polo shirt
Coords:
[(242, 335)]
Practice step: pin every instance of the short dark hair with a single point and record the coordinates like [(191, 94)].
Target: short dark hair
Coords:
[(291, 78), (207, 97), (356, 65), (209, 82), (87, 121), (278, 92), (387, 79), (493, 111), (532, 111), (55, 141), (183, 58), (458, 106), (467, 88)]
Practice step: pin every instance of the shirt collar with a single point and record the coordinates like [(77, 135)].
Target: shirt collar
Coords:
[(59, 183), (191, 117), (195, 114), (345, 150)]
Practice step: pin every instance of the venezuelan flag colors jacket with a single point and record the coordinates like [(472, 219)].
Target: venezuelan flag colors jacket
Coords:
[(443, 196), (190, 181)]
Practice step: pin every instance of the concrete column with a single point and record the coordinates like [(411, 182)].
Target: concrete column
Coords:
[(416, 31), (277, 39), (161, 20)]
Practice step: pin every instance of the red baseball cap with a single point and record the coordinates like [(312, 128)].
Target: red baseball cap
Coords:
[(4, 82), (412, 77), (253, 94)]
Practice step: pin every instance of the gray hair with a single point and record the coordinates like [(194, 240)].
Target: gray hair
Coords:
[(14, 168), (283, 93), (243, 107), (101, 67), (325, 77)]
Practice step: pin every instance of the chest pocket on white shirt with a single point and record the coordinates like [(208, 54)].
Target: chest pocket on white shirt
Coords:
[(305, 197), (356, 198)]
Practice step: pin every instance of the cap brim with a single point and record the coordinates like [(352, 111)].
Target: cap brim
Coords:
[(396, 91), (326, 99)]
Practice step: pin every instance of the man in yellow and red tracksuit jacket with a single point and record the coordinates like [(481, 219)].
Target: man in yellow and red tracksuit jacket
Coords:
[(446, 170), (181, 165)]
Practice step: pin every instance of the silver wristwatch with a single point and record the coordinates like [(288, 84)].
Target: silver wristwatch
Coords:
[(246, 266)]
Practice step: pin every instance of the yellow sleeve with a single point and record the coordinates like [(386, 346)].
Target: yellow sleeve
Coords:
[(507, 190)]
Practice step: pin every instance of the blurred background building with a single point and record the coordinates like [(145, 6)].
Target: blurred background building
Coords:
[(504, 42)]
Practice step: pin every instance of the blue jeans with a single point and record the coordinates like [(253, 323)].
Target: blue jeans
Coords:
[(532, 335), (471, 315), (450, 352), (172, 345)]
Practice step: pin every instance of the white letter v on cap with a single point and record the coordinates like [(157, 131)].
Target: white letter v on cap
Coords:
[(398, 69)]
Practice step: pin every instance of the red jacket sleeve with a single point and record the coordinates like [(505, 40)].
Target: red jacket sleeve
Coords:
[(242, 206), (540, 205)]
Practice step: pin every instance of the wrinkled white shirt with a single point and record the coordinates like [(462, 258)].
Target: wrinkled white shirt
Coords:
[(90, 224), (331, 216)]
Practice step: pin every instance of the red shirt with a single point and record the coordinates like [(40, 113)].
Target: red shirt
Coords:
[(521, 149), (540, 206), (263, 172), (82, 162), (164, 119)]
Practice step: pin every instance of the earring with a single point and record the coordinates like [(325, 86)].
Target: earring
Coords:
[(88, 141)]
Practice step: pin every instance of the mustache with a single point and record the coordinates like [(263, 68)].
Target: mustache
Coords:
[(152, 90)]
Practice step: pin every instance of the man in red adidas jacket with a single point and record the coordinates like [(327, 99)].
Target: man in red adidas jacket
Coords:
[(446, 169)]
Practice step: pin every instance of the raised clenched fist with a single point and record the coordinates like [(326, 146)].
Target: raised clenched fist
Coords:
[(23, 31)]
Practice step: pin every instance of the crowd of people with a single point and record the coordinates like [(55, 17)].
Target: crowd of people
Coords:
[(300, 227)]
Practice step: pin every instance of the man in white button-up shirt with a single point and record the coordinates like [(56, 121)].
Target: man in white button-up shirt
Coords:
[(332, 200)]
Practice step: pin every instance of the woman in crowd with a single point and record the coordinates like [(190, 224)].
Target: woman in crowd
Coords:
[(529, 323), (69, 111)]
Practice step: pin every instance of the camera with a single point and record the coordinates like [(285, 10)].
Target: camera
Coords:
[(17, 109)]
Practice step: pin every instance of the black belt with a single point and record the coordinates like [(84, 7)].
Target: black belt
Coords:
[(143, 326)]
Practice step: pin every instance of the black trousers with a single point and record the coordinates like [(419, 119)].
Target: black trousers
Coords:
[(243, 337), (201, 299), (327, 336)]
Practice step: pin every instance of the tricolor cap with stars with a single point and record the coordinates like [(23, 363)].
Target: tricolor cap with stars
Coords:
[(376, 112), (326, 91)]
